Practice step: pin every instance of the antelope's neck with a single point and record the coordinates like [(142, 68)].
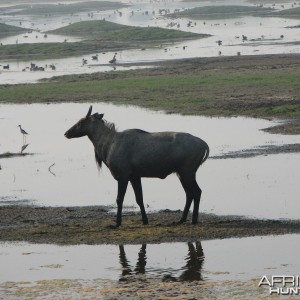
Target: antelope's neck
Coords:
[(102, 138)]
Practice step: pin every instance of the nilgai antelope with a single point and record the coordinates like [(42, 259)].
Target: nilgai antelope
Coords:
[(134, 153)]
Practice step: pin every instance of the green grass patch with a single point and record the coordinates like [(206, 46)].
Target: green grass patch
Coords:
[(259, 94), (89, 28), (108, 31), (8, 30), (288, 13), (286, 109), (52, 50), (100, 36), (221, 12)]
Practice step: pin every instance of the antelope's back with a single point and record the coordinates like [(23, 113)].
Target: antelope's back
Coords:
[(159, 154)]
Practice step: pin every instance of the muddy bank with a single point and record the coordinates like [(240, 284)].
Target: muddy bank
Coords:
[(11, 154), (262, 150), (288, 127), (135, 287), (92, 225)]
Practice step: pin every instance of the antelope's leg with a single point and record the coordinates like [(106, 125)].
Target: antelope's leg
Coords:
[(122, 187), (138, 191)]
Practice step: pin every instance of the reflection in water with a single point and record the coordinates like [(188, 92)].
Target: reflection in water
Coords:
[(194, 263), (24, 147), (140, 265), (191, 270), (227, 259)]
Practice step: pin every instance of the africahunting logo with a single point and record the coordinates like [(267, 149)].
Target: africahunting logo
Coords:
[(281, 284)]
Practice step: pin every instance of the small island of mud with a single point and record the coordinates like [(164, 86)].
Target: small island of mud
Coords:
[(93, 225)]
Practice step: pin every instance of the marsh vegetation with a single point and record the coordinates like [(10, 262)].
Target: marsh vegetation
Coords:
[(111, 32), (212, 86), (222, 12), (235, 11), (264, 86), (8, 30), (288, 13), (98, 36)]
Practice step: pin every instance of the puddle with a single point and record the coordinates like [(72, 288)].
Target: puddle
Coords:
[(19, 71), (217, 260), (265, 33), (264, 186)]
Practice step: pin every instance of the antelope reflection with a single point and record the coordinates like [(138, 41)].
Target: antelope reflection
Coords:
[(191, 271), (140, 265)]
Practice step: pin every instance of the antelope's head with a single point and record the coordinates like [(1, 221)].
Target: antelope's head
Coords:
[(81, 127)]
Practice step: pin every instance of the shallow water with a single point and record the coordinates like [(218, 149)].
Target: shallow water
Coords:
[(230, 259), (19, 71), (266, 186), (265, 33)]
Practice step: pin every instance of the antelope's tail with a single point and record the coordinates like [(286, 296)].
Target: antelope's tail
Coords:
[(205, 155)]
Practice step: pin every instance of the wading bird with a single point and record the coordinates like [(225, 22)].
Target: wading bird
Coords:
[(24, 133)]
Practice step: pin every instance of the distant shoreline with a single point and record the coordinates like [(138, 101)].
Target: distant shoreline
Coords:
[(260, 86)]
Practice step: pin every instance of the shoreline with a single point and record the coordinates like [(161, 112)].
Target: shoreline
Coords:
[(244, 153), (93, 225), (262, 86)]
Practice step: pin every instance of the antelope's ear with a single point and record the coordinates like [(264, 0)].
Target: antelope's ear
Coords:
[(98, 116), (89, 112)]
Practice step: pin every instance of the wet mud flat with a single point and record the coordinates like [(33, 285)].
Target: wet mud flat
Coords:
[(262, 150), (134, 287), (93, 225), (139, 287)]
